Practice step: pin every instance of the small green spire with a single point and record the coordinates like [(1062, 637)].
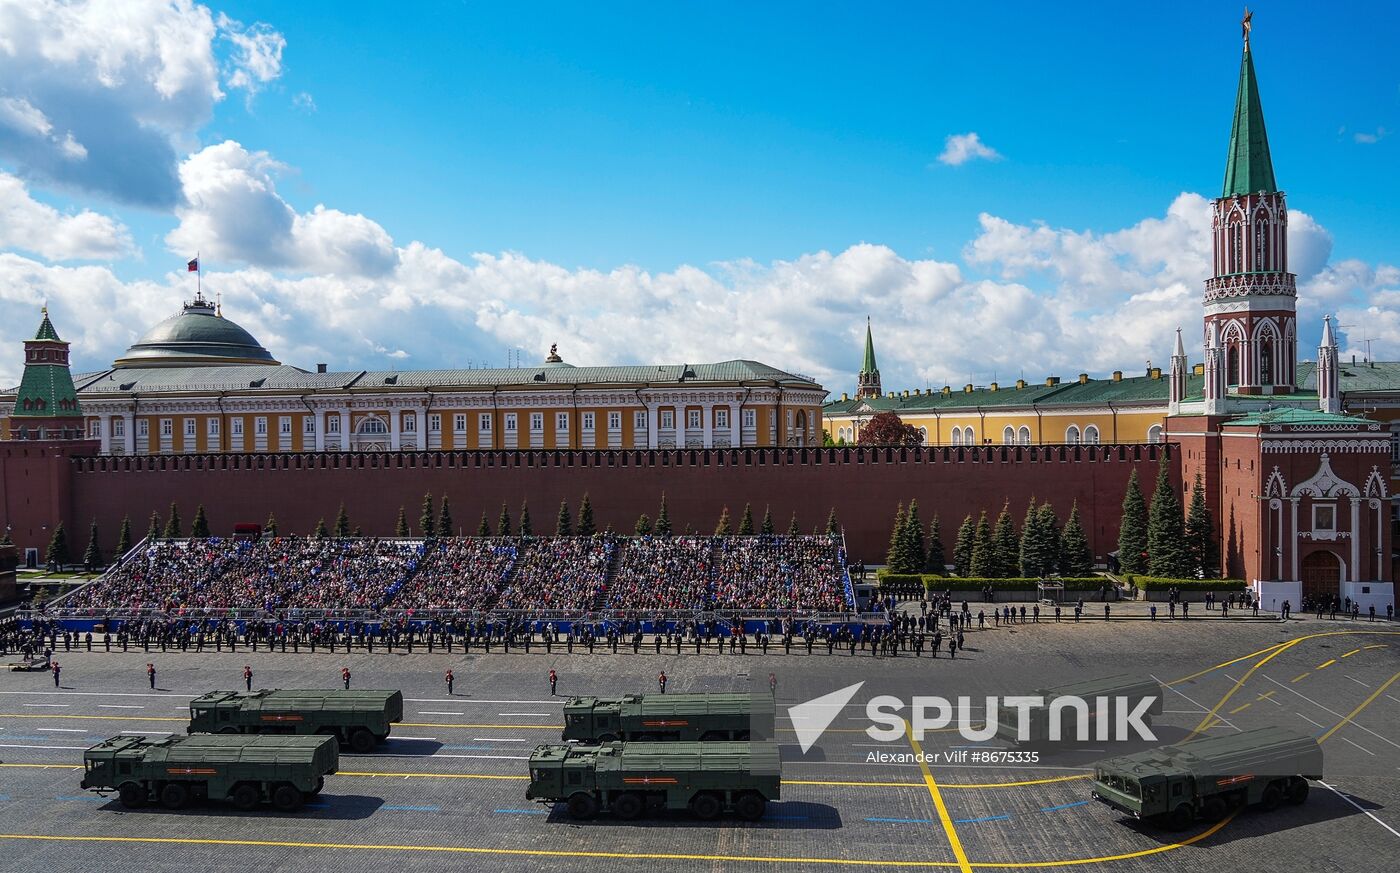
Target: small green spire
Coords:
[(1249, 168), (46, 331), (869, 365)]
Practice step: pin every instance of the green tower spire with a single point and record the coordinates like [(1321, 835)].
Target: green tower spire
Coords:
[(1248, 169), (869, 365), (46, 391)]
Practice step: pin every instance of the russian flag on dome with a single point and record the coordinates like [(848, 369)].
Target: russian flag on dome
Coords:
[(193, 266)]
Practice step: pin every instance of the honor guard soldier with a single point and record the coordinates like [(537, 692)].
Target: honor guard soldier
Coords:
[(151, 674), (56, 670), (449, 679), (553, 682), (661, 681), (247, 677), (773, 684), (345, 677)]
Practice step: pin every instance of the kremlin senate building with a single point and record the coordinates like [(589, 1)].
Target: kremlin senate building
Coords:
[(1298, 458)]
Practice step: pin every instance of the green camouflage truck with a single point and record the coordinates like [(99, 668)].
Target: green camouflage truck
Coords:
[(1121, 692), (1206, 778), (244, 770), (660, 717), (358, 719), (629, 779)]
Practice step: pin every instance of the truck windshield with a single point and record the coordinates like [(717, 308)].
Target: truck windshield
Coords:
[(1119, 783)]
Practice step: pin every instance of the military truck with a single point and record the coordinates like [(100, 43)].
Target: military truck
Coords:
[(358, 719), (660, 717), (630, 779), (1206, 778), (244, 770), (1121, 692)]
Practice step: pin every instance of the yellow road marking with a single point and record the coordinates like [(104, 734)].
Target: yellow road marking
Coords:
[(1267, 694), (1355, 712), (1104, 859), (1302, 676), (1325, 664), (1200, 673), (47, 766), (1242, 707), (943, 817), (1352, 652)]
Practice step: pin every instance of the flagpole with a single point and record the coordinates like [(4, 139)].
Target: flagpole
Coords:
[(198, 275)]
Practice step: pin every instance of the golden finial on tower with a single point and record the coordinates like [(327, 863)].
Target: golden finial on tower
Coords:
[(1246, 25)]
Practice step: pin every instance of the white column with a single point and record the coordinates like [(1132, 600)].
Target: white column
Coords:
[(129, 433), (393, 429), (1356, 539), (320, 430), (1293, 536), (707, 412), (104, 433), (734, 432), (345, 429), (653, 418), (420, 422)]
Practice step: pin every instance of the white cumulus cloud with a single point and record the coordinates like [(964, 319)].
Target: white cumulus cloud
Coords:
[(960, 148), (29, 225)]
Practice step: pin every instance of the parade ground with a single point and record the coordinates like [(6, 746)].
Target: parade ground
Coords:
[(447, 790)]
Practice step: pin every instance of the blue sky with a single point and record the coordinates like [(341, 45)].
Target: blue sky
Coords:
[(636, 155)]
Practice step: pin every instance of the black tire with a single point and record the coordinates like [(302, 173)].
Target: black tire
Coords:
[(713, 737), (582, 806), (607, 738), (742, 736), (1298, 791), (286, 798), (362, 741), (228, 730), (132, 795), (1180, 819), (706, 806), (1213, 809), (320, 784), (627, 806), (1271, 798), (751, 806), (245, 796), (174, 795)]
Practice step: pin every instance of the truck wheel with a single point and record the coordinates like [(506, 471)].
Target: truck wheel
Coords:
[(362, 741), (742, 736), (1180, 818), (245, 797), (286, 798), (750, 807), (712, 737), (582, 806), (627, 806), (320, 784), (1298, 791), (132, 795), (174, 795), (1271, 797), (228, 730), (706, 807), (607, 738)]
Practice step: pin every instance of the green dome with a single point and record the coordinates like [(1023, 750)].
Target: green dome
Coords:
[(198, 336)]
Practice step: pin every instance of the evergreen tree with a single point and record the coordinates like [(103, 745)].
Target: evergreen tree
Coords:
[(93, 556), (663, 519), (643, 526), (153, 532), (444, 524), (1132, 531), (1008, 545), (401, 526), (984, 558), (356, 532), (963, 546), (527, 529), (912, 557), (503, 523), (57, 552), (342, 522), (832, 525), (1167, 555), (173, 529), (934, 560), (723, 528), (1076, 561), (746, 522), (894, 556), (427, 519), (320, 532), (199, 528), (1203, 550), (1049, 524), (564, 526), (767, 528), (270, 526), (793, 530), (1032, 545), (124, 536), (586, 525), (483, 529)]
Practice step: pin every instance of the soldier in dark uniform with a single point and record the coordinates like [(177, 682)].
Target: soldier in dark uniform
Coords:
[(345, 677), (450, 680), (553, 682), (661, 681), (247, 677)]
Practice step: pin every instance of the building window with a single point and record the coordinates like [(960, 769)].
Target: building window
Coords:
[(1023, 436), (722, 418), (588, 421), (308, 424), (692, 418), (189, 427), (213, 427), (639, 421), (614, 421), (459, 422), (957, 436), (167, 428), (260, 426), (435, 423), (410, 422), (537, 421), (1008, 436), (143, 428), (237, 425), (1394, 447), (94, 428), (373, 426), (284, 425), (1324, 518), (923, 436), (750, 418), (668, 419), (1154, 433), (333, 423), (119, 428), (1091, 435), (510, 422), (486, 421), (968, 438), (561, 421), (1072, 435)]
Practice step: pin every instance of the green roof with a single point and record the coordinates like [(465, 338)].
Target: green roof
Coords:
[(1094, 392), (46, 389), (868, 366), (46, 331), (1248, 169), (1295, 416)]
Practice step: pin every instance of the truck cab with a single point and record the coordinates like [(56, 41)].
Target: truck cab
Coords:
[(112, 762), (557, 771), (587, 718)]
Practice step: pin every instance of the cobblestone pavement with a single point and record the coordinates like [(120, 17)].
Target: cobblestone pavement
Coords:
[(447, 790)]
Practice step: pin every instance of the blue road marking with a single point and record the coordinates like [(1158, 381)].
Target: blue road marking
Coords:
[(413, 808), (901, 820), (4, 797), (523, 811), (976, 820), (88, 797), (1063, 806)]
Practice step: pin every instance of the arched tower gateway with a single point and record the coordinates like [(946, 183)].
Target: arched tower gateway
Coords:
[(1250, 299)]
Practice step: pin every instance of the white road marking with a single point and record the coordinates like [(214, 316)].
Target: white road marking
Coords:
[(496, 740), (1306, 719), (62, 730), (147, 733), (538, 714), (1359, 808), (118, 706), (1358, 682), (94, 694), (1331, 711), (19, 746), (1362, 748), (1201, 709), (50, 705), (413, 738), (435, 712)]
